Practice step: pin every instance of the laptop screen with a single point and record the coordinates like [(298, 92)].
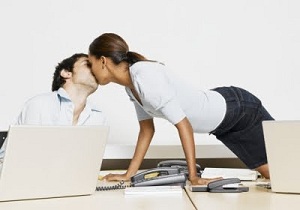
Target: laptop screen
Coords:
[(53, 161), (3, 135)]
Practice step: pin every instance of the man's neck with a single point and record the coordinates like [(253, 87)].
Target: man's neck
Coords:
[(79, 99)]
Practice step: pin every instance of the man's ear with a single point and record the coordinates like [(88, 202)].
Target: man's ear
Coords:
[(65, 74)]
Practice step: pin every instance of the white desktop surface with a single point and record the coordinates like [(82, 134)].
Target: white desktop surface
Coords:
[(113, 199), (257, 198)]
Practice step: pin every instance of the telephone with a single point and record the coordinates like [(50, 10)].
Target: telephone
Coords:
[(152, 177), (159, 176), (230, 185), (180, 164), (169, 172)]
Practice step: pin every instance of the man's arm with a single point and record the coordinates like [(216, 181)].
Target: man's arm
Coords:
[(30, 114)]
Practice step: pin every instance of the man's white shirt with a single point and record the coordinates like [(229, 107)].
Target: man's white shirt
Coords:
[(55, 108)]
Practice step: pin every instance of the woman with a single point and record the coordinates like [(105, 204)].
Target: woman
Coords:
[(232, 114)]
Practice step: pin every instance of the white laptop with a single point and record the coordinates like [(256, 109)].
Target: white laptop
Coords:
[(51, 161), (282, 139)]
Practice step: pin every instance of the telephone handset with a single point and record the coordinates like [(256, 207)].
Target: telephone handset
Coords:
[(159, 176), (180, 164), (168, 172)]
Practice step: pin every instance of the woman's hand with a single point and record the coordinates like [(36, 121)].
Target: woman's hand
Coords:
[(201, 181), (116, 177)]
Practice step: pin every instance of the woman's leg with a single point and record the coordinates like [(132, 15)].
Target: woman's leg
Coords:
[(241, 130), (264, 171)]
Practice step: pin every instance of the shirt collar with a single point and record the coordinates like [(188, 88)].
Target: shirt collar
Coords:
[(63, 94)]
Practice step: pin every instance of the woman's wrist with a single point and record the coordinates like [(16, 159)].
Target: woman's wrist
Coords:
[(129, 174)]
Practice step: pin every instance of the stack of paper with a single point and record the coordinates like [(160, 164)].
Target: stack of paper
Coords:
[(154, 190), (241, 173)]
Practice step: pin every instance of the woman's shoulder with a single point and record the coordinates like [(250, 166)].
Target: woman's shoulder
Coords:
[(146, 66)]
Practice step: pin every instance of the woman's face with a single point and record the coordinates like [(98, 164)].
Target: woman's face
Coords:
[(99, 70)]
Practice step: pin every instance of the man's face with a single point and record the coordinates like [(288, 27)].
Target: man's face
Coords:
[(82, 74)]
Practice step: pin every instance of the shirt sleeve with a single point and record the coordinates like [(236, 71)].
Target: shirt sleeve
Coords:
[(140, 113), (29, 114), (173, 112), (155, 87)]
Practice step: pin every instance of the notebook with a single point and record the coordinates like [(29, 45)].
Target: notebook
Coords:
[(51, 161), (282, 139)]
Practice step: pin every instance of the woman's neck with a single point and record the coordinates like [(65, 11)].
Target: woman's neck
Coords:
[(122, 75)]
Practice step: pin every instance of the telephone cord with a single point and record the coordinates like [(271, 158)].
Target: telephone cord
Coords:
[(120, 185)]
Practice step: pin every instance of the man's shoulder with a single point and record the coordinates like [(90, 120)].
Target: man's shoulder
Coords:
[(97, 117), (94, 107), (42, 98)]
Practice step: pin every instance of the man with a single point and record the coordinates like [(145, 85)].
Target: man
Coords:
[(67, 104), (72, 83)]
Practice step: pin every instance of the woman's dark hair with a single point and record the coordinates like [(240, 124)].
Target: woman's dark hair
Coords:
[(67, 65), (113, 46)]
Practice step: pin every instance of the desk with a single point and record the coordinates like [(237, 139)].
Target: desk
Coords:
[(257, 198), (103, 200), (114, 199)]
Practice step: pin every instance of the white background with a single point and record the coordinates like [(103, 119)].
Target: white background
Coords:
[(254, 44)]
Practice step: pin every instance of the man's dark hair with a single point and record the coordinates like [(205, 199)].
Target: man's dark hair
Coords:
[(67, 65)]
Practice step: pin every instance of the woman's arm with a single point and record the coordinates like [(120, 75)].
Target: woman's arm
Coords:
[(186, 135), (144, 139)]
